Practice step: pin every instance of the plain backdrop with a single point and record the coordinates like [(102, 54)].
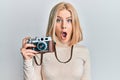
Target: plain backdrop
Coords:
[(100, 21)]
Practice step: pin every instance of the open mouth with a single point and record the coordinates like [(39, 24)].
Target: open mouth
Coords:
[(64, 35)]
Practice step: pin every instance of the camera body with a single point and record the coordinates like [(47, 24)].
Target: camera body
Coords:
[(43, 45)]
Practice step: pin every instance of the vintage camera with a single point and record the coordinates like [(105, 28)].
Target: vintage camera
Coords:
[(43, 45)]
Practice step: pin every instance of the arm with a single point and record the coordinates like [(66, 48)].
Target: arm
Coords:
[(28, 70), (31, 70)]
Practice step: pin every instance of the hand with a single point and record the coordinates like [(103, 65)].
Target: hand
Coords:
[(26, 52)]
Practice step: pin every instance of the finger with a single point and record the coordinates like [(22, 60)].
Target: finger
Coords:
[(31, 55), (31, 51), (24, 41), (26, 51), (28, 56), (29, 46)]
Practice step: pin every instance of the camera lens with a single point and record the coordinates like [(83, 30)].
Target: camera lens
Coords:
[(42, 46)]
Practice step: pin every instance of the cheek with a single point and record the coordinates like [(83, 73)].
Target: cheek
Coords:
[(57, 31), (70, 30), (58, 27)]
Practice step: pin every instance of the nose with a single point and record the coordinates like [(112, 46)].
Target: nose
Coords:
[(63, 26)]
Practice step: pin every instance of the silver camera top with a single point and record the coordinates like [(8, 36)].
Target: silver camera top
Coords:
[(36, 39)]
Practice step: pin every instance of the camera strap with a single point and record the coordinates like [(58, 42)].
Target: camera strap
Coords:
[(40, 59), (68, 59)]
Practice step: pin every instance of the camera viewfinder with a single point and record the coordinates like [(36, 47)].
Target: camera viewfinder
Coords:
[(46, 38), (42, 39)]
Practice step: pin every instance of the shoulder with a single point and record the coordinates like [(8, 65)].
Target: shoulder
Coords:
[(82, 48), (81, 51)]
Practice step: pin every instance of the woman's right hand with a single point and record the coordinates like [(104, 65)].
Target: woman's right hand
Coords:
[(26, 52)]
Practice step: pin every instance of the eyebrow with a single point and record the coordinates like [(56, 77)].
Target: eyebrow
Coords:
[(66, 18)]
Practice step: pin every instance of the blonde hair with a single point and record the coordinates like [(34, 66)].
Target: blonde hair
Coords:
[(76, 33)]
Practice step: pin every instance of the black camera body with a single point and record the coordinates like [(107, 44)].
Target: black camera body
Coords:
[(44, 44)]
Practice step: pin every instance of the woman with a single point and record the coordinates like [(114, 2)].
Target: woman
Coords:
[(69, 61)]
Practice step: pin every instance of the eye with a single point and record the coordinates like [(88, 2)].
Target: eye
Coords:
[(69, 20), (58, 20)]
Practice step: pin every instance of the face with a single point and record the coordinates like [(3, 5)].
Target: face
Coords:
[(63, 28)]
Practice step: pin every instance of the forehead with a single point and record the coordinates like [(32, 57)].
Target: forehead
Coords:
[(64, 13)]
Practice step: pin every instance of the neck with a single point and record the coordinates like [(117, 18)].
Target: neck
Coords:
[(58, 43)]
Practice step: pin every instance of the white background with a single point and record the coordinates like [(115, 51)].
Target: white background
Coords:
[(100, 21)]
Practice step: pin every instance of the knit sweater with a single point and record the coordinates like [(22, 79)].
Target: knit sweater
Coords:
[(78, 68)]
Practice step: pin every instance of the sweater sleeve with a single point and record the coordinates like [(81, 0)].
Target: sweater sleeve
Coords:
[(87, 68), (28, 70), (31, 70)]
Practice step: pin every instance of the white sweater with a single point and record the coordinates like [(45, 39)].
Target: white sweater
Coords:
[(77, 69)]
